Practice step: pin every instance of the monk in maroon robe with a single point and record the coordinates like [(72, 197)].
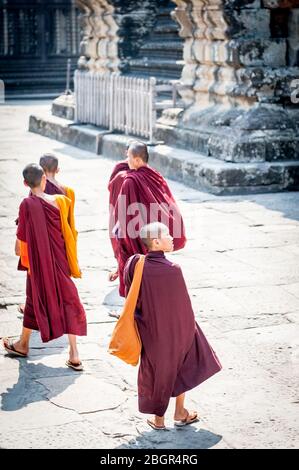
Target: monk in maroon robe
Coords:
[(114, 187), (176, 356), (49, 164), (52, 303), (144, 198)]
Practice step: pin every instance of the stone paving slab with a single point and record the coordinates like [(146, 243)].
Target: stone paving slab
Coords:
[(83, 394)]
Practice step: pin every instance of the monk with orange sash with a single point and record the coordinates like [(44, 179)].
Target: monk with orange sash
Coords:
[(49, 164), (46, 243), (175, 355)]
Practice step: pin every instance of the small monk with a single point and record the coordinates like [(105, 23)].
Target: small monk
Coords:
[(49, 164), (144, 197), (46, 244), (175, 356)]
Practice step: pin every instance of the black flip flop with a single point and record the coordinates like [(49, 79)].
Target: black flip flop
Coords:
[(78, 366), (10, 349)]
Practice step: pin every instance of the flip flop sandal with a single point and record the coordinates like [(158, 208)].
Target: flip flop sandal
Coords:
[(154, 426), (10, 349), (78, 366), (114, 315), (184, 422)]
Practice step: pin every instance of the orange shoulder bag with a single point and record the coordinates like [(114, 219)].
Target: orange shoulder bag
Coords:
[(125, 341)]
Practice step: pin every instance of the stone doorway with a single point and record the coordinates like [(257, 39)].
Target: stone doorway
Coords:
[(36, 40)]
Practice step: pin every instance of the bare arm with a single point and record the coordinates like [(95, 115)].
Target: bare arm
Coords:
[(18, 247)]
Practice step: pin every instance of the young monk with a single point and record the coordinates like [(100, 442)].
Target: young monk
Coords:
[(46, 244), (49, 164), (176, 356), (145, 188)]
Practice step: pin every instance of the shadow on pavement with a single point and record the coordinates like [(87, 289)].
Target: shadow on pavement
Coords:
[(189, 437), (28, 390)]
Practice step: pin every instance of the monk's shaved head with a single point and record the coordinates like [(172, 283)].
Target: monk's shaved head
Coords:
[(139, 149), (49, 162), (131, 142), (151, 231), (32, 175)]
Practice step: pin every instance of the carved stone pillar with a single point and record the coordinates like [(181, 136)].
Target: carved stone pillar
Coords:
[(182, 14), (239, 69), (99, 36)]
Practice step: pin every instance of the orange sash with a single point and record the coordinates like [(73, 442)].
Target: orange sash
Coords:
[(125, 340), (24, 255), (69, 233)]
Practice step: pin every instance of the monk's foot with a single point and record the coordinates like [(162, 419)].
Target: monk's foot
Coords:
[(181, 418), (74, 357), (156, 422), (113, 276), (18, 348), (114, 314)]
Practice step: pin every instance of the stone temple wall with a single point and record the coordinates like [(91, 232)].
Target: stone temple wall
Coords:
[(241, 63), (241, 57)]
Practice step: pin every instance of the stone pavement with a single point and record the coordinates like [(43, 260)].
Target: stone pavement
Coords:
[(241, 266)]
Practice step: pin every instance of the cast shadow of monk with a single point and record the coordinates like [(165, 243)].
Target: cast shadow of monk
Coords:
[(36, 382), (188, 437), (113, 299)]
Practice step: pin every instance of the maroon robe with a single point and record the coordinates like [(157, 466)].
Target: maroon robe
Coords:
[(52, 303), (175, 355), (115, 183), (51, 188), (148, 188)]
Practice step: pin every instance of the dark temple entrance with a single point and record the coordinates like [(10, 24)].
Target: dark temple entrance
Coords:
[(36, 39)]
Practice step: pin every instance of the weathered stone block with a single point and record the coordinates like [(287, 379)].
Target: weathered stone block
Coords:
[(245, 176), (247, 23), (259, 52), (282, 148), (237, 146), (293, 42), (64, 107), (264, 118)]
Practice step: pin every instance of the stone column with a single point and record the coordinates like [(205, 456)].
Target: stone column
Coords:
[(237, 79)]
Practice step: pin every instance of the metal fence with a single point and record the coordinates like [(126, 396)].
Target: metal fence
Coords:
[(116, 102)]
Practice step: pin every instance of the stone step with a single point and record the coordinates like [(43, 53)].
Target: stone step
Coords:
[(167, 27), (193, 169), (11, 72), (35, 80), (166, 30)]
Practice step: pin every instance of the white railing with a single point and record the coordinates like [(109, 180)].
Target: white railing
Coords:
[(116, 102)]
